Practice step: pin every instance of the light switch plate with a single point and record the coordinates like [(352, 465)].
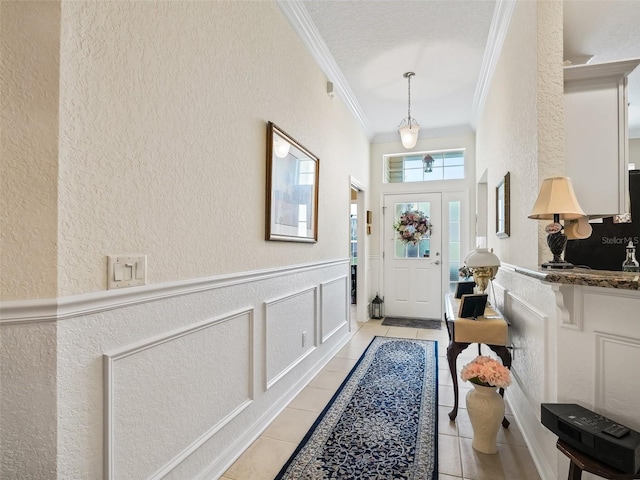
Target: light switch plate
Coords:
[(128, 270)]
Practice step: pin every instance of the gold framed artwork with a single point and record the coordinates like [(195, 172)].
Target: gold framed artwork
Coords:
[(503, 220), (292, 189)]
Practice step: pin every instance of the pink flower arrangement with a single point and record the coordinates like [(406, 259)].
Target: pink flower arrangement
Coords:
[(487, 372)]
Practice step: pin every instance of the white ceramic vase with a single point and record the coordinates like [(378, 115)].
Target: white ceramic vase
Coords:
[(486, 411)]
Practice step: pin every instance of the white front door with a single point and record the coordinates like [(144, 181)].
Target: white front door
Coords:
[(413, 272)]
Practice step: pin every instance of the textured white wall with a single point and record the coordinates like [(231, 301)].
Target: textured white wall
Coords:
[(28, 408), (521, 128), (29, 52), (162, 129), (163, 111)]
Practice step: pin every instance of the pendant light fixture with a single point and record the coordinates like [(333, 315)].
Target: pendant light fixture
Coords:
[(409, 127)]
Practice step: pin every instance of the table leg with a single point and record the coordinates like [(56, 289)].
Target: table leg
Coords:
[(505, 355), (575, 472), (453, 350)]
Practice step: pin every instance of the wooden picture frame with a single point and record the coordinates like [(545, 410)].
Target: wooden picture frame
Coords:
[(503, 216), (292, 189), (472, 306)]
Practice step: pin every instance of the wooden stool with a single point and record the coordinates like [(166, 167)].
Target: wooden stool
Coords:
[(582, 462)]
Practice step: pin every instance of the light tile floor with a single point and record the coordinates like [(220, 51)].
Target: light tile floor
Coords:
[(456, 458)]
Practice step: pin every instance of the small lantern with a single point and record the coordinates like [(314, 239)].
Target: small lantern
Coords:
[(428, 163), (376, 309)]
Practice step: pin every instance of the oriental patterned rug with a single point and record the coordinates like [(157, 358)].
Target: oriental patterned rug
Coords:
[(382, 422)]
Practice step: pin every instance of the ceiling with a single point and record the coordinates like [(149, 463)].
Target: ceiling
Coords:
[(366, 46)]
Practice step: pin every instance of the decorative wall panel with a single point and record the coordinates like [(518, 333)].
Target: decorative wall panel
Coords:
[(335, 306), (528, 334), (291, 332), (150, 387), (614, 394)]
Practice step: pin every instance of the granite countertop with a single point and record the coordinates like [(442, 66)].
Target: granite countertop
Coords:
[(584, 276)]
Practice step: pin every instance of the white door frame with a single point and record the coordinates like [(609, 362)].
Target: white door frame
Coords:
[(362, 271), (450, 192), (418, 299)]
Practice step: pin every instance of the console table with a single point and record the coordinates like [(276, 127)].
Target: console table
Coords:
[(490, 329)]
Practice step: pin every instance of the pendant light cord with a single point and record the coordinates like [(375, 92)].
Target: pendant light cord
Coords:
[(409, 75)]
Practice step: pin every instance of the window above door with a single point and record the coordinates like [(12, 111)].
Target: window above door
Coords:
[(424, 166)]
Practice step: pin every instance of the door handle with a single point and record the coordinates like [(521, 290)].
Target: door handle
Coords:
[(437, 262)]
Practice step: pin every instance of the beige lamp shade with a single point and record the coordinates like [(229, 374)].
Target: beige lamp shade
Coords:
[(556, 197)]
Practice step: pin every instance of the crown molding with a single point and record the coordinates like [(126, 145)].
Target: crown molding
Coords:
[(497, 33), (618, 69), (302, 23)]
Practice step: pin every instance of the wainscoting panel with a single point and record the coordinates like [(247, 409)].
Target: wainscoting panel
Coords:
[(166, 381), (334, 306), (291, 332), (531, 308), (528, 333), (148, 383), (615, 356)]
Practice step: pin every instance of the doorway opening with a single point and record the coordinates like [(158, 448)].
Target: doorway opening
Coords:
[(357, 258)]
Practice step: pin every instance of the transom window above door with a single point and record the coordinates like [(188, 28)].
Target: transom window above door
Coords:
[(424, 166)]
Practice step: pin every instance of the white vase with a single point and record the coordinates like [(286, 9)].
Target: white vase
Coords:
[(486, 411)]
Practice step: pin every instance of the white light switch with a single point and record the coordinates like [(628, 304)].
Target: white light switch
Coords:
[(126, 271)]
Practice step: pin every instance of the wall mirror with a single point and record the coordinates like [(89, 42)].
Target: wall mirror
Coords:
[(503, 223), (292, 189)]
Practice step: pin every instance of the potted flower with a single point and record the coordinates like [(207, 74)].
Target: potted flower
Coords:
[(484, 404), (487, 372), (464, 272)]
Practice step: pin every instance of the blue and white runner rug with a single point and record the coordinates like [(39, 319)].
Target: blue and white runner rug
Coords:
[(382, 422)]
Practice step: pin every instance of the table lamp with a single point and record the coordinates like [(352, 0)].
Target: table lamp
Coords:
[(484, 266), (556, 201)]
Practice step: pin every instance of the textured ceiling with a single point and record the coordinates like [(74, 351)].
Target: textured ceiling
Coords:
[(443, 41), (375, 42)]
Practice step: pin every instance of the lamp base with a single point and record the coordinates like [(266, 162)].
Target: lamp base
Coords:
[(556, 242), (554, 265)]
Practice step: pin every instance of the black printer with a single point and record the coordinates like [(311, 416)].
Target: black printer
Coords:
[(593, 434)]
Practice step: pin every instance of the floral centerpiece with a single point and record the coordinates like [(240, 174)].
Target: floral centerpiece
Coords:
[(464, 272), (412, 226), (486, 372)]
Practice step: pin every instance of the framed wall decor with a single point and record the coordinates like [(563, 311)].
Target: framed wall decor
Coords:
[(292, 189), (503, 221)]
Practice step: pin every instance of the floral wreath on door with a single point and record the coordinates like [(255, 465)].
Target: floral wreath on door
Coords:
[(413, 226)]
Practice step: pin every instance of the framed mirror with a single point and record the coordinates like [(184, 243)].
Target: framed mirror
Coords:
[(292, 189), (503, 224)]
